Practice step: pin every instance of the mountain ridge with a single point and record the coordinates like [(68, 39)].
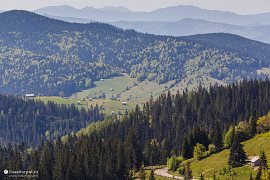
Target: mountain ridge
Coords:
[(173, 13), (188, 26)]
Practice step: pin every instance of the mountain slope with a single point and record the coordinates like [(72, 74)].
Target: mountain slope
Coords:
[(43, 55), (175, 13), (167, 126)]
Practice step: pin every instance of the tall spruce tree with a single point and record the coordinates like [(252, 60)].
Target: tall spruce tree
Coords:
[(237, 154), (152, 176), (263, 160), (187, 172)]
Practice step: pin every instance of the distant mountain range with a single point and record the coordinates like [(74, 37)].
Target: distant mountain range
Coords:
[(43, 55), (172, 21), (188, 27), (176, 13)]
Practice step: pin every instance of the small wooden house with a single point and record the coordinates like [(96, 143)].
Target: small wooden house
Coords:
[(255, 161)]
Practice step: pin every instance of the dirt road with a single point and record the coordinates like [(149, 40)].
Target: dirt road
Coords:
[(164, 173)]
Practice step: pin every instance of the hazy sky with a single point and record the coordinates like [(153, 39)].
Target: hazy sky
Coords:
[(238, 6)]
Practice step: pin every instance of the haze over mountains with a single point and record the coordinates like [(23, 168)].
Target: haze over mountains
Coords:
[(176, 13), (175, 21), (188, 27)]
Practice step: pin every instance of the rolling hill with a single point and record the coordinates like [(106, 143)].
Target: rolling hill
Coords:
[(43, 55)]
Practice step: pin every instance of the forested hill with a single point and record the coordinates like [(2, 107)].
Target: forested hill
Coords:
[(43, 55), (240, 45), (25, 21), (170, 125)]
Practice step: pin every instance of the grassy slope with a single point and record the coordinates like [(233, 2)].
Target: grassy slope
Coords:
[(141, 92), (217, 162), (137, 93), (119, 85)]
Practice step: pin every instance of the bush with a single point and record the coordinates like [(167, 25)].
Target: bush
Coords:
[(199, 151), (263, 124), (174, 162), (211, 149), (228, 137)]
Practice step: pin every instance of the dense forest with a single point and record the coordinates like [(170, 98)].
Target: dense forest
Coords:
[(43, 55), (28, 121), (170, 125)]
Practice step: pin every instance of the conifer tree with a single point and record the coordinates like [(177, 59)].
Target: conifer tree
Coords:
[(262, 171), (237, 154), (259, 174), (201, 177), (152, 177), (263, 161), (252, 126), (187, 172), (46, 163), (216, 136), (142, 174)]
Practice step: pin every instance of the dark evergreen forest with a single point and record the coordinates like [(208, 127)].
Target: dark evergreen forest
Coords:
[(170, 125), (28, 121)]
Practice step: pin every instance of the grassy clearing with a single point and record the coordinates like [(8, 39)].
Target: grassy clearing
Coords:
[(59, 100), (258, 143), (113, 105), (113, 86), (126, 89), (141, 92), (107, 106), (218, 162)]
